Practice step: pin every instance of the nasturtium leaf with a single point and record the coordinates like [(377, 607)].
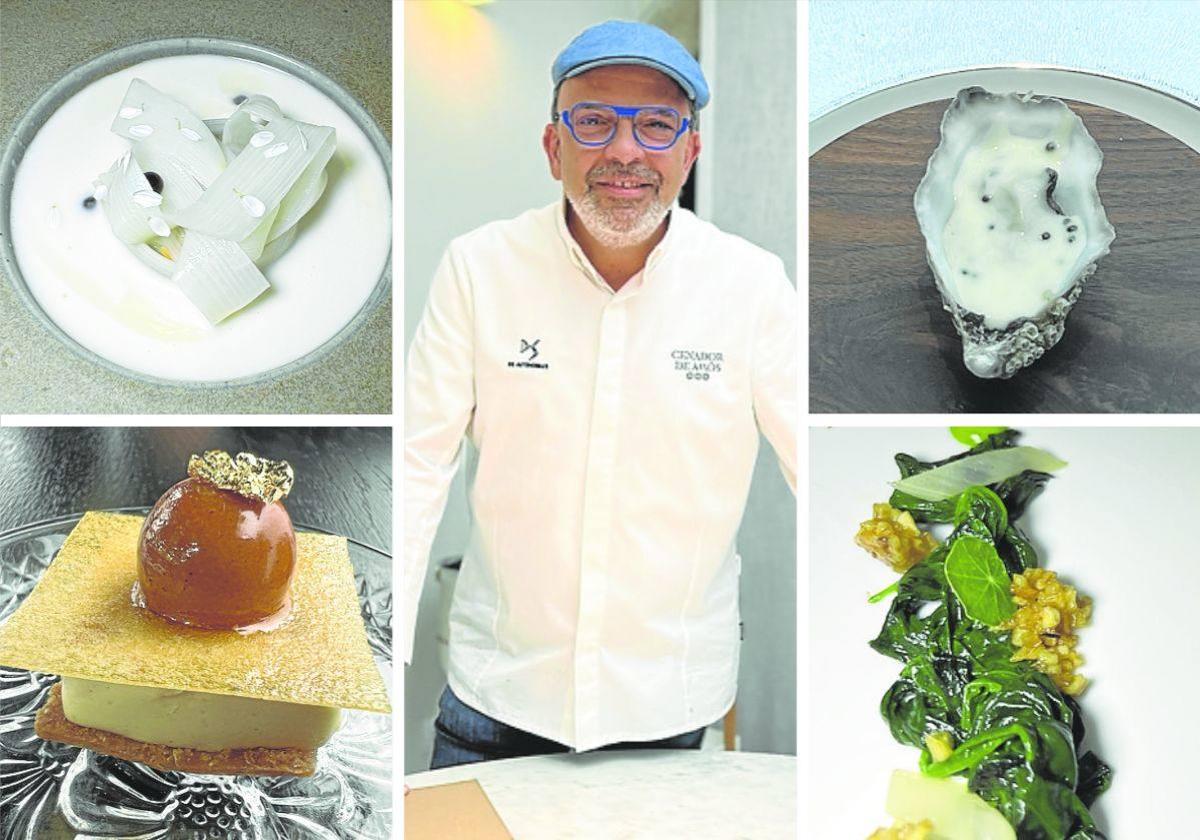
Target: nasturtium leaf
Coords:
[(989, 467), (980, 582)]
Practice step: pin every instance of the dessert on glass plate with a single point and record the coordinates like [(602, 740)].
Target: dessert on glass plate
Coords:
[(204, 638)]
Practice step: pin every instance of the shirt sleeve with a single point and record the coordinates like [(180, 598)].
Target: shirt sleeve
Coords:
[(439, 402), (773, 378)]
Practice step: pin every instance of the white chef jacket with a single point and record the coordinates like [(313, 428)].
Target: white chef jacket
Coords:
[(614, 437)]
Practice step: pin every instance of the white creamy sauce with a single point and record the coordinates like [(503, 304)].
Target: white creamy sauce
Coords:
[(1009, 252), (102, 296)]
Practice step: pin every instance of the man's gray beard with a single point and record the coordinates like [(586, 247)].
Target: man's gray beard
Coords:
[(617, 229)]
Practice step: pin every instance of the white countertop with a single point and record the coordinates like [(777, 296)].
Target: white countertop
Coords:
[(637, 794)]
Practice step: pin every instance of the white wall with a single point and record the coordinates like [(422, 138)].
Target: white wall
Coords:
[(490, 66), (749, 56)]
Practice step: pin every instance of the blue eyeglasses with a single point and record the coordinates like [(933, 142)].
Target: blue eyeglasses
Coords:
[(655, 127)]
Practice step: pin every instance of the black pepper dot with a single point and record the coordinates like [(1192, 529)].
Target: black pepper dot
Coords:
[(1045, 236), (1070, 238), (239, 99), (89, 202), (156, 182), (1051, 146), (1072, 228), (986, 199), (964, 271), (991, 227)]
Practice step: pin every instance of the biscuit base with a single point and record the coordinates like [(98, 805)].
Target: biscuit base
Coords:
[(51, 724)]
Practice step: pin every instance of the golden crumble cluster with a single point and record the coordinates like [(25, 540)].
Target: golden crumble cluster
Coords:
[(904, 830), (1043, 627), (893, 536)]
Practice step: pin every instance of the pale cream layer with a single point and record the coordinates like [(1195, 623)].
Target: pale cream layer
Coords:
[(196, 720), (1009, 253)]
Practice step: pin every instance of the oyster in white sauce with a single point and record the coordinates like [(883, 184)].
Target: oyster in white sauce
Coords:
[(1012, 222)]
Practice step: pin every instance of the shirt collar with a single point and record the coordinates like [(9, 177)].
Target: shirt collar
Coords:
[(665, 246)]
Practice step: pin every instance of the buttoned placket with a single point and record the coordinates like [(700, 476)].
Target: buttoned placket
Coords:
[(599, 480), (597, 517)]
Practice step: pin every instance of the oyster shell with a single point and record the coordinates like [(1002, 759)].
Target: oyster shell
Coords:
[(1013, 223)]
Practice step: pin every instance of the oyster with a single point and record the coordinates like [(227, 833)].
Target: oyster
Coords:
[(1013, 223)]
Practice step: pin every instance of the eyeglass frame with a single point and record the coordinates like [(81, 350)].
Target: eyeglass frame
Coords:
[(622, 112)]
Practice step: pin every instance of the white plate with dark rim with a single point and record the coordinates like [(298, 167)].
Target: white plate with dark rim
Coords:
[(122, 315)]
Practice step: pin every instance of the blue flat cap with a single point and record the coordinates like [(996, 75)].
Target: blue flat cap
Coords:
[(623, 42)]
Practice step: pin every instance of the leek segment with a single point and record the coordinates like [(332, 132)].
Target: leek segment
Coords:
[(258, 179), (217, 276), (276, 247), (233, 191), (130, 205), (254, 243), (985, 468), (249, 118), (170, 140)]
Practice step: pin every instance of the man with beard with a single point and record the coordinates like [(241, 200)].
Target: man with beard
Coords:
[(612, 359)]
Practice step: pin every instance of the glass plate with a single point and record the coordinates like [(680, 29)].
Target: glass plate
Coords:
[(50, 790)]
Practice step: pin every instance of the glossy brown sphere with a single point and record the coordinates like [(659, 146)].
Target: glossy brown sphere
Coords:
[(213, 558)]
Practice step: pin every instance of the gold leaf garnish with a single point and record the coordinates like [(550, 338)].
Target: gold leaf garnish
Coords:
[(247, 474)]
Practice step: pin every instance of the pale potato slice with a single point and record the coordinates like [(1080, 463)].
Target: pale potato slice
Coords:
[(956, 813)]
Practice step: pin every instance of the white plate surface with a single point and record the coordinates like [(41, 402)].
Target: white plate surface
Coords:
[(1119, 523)]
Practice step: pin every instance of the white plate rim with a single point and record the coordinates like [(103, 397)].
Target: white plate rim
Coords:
[(1161, 109)]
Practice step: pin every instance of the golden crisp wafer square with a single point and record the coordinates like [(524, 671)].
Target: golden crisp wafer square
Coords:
[(80, 621)]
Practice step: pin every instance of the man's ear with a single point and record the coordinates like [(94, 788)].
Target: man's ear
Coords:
[(691, 152), (552, 145)]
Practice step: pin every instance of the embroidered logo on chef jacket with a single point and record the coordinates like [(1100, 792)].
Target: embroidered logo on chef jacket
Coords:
[(698, 365), (529, 349)]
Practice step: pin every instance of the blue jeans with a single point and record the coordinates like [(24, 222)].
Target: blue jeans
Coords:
[(463, 735)]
